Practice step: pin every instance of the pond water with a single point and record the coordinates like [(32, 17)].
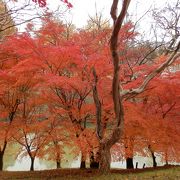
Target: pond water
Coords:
[(12, 162), (23, 164)]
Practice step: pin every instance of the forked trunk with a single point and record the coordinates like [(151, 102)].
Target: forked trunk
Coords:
[(108, 142), (32, 164), (83, 161), (105, 147), (129, 163)]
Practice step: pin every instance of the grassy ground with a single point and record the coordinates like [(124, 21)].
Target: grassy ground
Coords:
[(161, 173)]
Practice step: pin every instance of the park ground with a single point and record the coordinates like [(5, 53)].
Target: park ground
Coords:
[(160, 173)]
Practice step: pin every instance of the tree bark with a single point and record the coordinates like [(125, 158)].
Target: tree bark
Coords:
[(94, 162), (2, 155), (153, 157), (83, 161), (1, 160), (107, 142), (136, 165), (58, 164), (105, 158), (58, 157), (154, 160), (144, 165), (83, 164), (32, 164), (129, 163), (129, 146), (166, 158)]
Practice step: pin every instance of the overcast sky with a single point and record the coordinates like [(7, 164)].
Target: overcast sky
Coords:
[(82, 8)]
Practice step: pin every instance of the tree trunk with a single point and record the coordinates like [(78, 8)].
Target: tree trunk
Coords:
[(166, 158), (105, 158), (83, 165), (136, 165), (58, 164), (83, 161), (166, 163), (154, 160), (2, 154), (1, 160), (32, 164), (153, 156), (58, 156), (129, 163), (94, 163), (144, 165)]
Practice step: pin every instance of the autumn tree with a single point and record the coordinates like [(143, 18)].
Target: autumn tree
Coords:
[(58, 138), (119, 92), (32, 137), (164, 107), (30, 126), (90, 80), (5, 21), (9, 102), (68, 80)]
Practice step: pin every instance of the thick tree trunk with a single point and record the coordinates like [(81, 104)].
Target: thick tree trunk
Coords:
[(94, 162), (1, 160), (32, 164), (83, 161), (107, 142), (129, 163), (105, 158), (83, 165)]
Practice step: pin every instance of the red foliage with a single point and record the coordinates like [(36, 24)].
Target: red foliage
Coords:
[(52, 77), (43, 3)]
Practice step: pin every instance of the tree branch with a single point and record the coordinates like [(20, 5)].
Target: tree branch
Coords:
[(98, 106), (144, 84)]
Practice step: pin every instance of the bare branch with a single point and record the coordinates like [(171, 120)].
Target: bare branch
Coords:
[(142, 87)]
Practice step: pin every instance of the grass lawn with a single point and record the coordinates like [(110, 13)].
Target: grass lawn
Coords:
[(164, 173)]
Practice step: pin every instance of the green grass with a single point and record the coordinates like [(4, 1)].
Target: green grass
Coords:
[(168, 173)]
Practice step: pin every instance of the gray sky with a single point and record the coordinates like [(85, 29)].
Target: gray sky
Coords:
[(82, 8)]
